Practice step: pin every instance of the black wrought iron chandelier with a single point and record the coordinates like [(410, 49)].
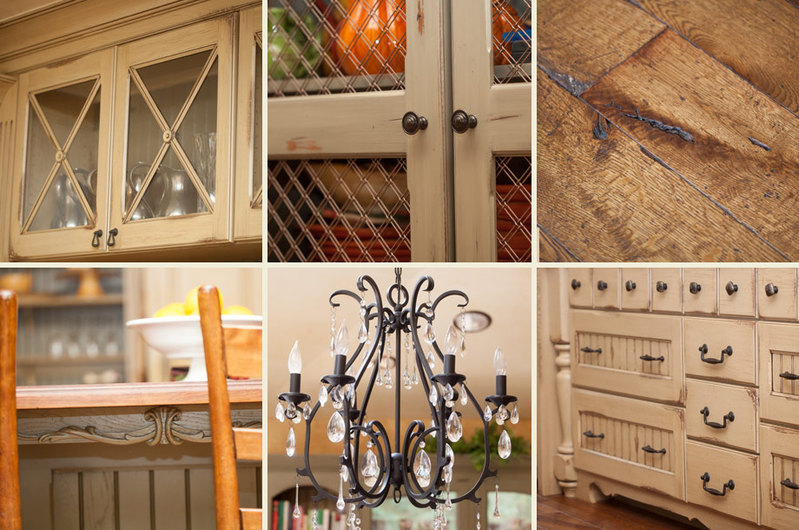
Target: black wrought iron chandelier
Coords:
[(370, 466)]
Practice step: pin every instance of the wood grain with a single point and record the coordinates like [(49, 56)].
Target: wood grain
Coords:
[(677, 84), (10, 518), (607, 201), (580, 41), (759, 40), (557, 511), (550, 249)]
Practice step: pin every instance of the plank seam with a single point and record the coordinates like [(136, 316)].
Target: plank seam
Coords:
[(556, 240), (636, 52)]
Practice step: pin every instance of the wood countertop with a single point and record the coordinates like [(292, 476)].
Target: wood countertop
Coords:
[(131, 394)]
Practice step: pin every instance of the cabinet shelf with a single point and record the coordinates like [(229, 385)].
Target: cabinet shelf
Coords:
[(45, 360), (51, 300)]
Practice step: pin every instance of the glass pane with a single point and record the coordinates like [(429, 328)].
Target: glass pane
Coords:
[(170, 82), (82, 154), (62, 106), (331, 46), (514, 208), (61, 207), (512, 36), (197, 132), (257, 171), (339, 210), (39, 161), (144, 140), (170, 193)]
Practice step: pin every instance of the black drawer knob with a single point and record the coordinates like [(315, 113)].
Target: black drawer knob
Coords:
[(661, 287), (601, 285), (694, 287), (771, 289), (576, 284), (462, 122), (629, 285), (731, 288), (412, 123)]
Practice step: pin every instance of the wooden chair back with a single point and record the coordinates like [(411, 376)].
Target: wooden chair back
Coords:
[(10, 518), (229, 352)]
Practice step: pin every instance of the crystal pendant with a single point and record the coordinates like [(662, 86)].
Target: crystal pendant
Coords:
[(448, 392), (446, 472), (451, 340), (503, 447), (487, 413), (477, 525), (362, 332), (291, 411), (414, 377), (379, 378), (340, 502), (433, 397), (297, 418), (343, 473), (291, 442), (297, 512), (342, 339), (335, 428), (448, 502), (430, 359), (306, 412), (369, 468), (337, 397), (462, 344), (464, 397), (514, 417), (322, 395), (454, 427), (429, 334), (406, 379), (500, 417), (421, 469), (279, 414), (387, 379), (496, 500)]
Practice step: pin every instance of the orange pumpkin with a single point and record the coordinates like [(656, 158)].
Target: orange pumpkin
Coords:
[(371, 38), (504, 21)]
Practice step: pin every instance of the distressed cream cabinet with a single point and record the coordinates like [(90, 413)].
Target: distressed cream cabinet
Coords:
[(138, 135), (463, 196), (685, 397)]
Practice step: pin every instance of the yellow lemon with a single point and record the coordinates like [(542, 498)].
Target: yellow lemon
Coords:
[(174, 309), (236, 310), (191, 306)]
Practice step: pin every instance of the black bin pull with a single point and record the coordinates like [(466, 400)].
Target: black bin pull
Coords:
[(592, 435), (650, 358), (788, 483), (711, 360), (727, 417), (729, 485), (649, 449), (586, 349), (789, 376)]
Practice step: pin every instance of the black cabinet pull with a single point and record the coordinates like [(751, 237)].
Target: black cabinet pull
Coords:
[(661, 286), (586, 349), (650, 358), (731, 288), (601, 285), (694, 287), (592, 435), (96, 235), (728, 485), (727, 417), (462, 122), (788, 483), (112, 237), (576, 284), (629, 285), (710, 360), (789, 376), (771, 289), (649, 449), (412, 123)]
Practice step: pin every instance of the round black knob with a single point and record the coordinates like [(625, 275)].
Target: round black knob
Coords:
[(601, 285), (771, 289), (576, 284), (694, 287), (661, 286), (411, 123), (462, 122), (629, 285), (731, 288)]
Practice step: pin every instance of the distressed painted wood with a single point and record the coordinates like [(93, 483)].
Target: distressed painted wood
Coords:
[(580, 41), (758, 40), (721, 400), (605, 200), (676, 84), (779, 460)]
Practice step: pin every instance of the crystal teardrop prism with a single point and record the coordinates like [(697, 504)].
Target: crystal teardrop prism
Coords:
[(362, 332), (369, 468), (462, 344), (340, 502), (379, 378), (433, 397), (279, 414), (496, 500), (448, 502), (322, 395), (500, 417), (421, 469), (342, 339), (451, 340), (414, 377), (446, 471), (477, 525), (291, 442), (464, 396), (503, 446), (514, 417), (335, 428), (343, 473), (429, 334), (454, 427), (291, 410), (487, 413), (387, 379), (448, 392), (297, 418), (337, 397), (430, 359), (306, 412), (297, 512)]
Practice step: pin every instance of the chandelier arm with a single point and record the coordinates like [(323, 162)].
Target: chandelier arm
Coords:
[(352, 461), (425, 371), (375, 342), (408, 456), (321, 493), (381, 496), (378, 340), (447, 294)]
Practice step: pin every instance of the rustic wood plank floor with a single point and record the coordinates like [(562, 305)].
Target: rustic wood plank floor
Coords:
[(556, 512), (697, 159)]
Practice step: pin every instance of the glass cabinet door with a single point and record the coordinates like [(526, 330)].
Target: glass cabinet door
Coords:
[(171, 154), (63, 168), (248, 200)]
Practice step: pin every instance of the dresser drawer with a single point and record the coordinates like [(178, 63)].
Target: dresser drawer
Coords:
[(635, 289), (778, 349), (721, 414), (635, 442), (580, 288), (699, 291), (722, 479), (737, 292), (606, 288), (707, 343), (667, 290), (779, 476), (776, 293), (639, 355)]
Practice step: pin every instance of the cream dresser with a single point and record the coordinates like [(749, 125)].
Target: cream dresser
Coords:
[(684, 389)]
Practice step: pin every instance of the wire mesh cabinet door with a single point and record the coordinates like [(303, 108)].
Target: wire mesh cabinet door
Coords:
[(61, 169), (172, 166), (492, 126), (358, 131)]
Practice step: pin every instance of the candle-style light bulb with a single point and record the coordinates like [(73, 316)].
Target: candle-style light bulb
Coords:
[(342, 339), (500, 366), (451, 341), (295, 360)]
